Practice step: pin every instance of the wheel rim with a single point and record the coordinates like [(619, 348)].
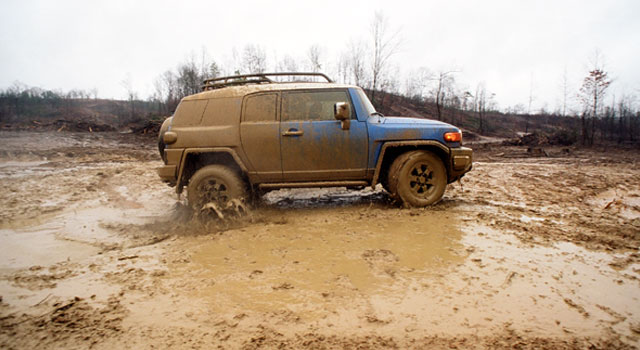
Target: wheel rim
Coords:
[(213, 190), (421, 180)]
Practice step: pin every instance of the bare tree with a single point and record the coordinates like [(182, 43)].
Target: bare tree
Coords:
[(356, 63), (287, 64), (482, 102), (254, 59), (416, 83), (343, 68), (131, 94), (593, 90), (94, 93), (385, 45), (188, 79), (444, 81), (564, 83), (531, 99), (314, 55)]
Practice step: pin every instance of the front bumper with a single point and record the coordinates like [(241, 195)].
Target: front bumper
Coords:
[(461, 162)]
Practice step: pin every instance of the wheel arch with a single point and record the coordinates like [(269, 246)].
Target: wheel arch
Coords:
[(391, 150), (194, 159)]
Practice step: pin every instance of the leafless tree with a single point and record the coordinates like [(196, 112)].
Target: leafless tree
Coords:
[(592, 92), (385, 45), (254, 59), (444, 81), (314, 55), (94, 93), (531, 99), (132, 95), (564, 84), (416, 83), (287, 64), (356, 63), (343, 68), (482, 102), (189, 78)]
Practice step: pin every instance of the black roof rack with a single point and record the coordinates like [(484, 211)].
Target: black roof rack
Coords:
[(258, 78)]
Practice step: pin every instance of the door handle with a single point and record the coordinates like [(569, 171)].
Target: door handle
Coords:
[(293, 132)]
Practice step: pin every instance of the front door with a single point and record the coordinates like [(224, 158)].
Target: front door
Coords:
[(313, 145)]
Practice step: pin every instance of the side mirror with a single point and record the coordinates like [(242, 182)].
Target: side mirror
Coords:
[(342, 112)]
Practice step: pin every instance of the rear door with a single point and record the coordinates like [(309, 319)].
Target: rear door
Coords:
[(313, 145)]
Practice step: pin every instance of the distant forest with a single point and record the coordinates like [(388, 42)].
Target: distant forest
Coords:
[(365, 63)]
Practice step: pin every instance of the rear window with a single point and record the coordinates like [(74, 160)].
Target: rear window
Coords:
[(189, 113), (259, 108), (222, 112)]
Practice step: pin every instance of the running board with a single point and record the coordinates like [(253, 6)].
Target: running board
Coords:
[(313, 184)]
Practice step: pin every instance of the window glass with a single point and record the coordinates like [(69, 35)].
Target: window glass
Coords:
[(312, 105), (260, 108), (365, 102)]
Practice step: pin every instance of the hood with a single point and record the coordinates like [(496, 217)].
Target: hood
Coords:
[(408, 120)]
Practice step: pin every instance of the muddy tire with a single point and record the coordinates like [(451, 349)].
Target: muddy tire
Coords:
[(215, 184), (417, 179)]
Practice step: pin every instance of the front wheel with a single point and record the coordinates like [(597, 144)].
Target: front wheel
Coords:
[(417, 178), (215, 184)]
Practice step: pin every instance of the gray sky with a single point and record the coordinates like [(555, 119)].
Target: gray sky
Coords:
[(509, 45)]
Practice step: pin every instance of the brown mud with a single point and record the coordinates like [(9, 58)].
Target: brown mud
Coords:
[(528, 251)]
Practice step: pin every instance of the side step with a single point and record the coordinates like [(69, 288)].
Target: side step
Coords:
[(313, 184)]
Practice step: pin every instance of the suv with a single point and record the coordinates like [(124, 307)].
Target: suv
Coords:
[(247, 134)]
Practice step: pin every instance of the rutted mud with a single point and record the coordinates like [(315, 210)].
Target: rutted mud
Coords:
[(525, 252)]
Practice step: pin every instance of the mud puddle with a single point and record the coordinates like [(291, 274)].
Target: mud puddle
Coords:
[(306, 258), (420, 273)]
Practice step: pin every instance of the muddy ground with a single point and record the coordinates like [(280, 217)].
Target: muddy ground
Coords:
[(528, 251)]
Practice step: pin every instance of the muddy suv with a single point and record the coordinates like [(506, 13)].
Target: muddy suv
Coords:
[(247, 134)]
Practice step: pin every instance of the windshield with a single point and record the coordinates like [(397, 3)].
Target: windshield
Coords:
[(366, 103)]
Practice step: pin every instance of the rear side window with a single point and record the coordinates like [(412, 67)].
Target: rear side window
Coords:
[(259, 108), (189, 113), (311, 105), (222, 111)]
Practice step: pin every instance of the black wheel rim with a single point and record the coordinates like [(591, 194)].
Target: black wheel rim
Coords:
[(213, 190), (421, 180)]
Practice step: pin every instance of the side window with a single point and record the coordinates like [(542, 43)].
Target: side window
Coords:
[(311, 105), (260, 108)]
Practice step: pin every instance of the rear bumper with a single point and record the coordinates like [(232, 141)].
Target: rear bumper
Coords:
[(461, 162), (167, 173)]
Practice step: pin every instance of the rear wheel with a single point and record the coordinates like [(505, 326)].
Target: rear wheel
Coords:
[(417, 178), (215, 184)]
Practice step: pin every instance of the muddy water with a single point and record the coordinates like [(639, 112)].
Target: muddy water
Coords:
[(309, 258), (418, 273)]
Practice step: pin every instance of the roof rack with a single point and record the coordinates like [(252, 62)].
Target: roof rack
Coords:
[(258, 78)]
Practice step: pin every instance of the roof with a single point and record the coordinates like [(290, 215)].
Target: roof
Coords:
[(239, 91), (241, 85)]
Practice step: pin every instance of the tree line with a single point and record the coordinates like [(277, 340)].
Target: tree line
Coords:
[(368, 61)]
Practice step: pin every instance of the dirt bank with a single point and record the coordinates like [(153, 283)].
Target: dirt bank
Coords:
[(528, 251)]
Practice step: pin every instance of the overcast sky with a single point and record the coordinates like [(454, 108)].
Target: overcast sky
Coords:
[(512, 46)]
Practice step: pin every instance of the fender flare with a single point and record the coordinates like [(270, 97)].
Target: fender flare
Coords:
[(189, 151), (417, 143)]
